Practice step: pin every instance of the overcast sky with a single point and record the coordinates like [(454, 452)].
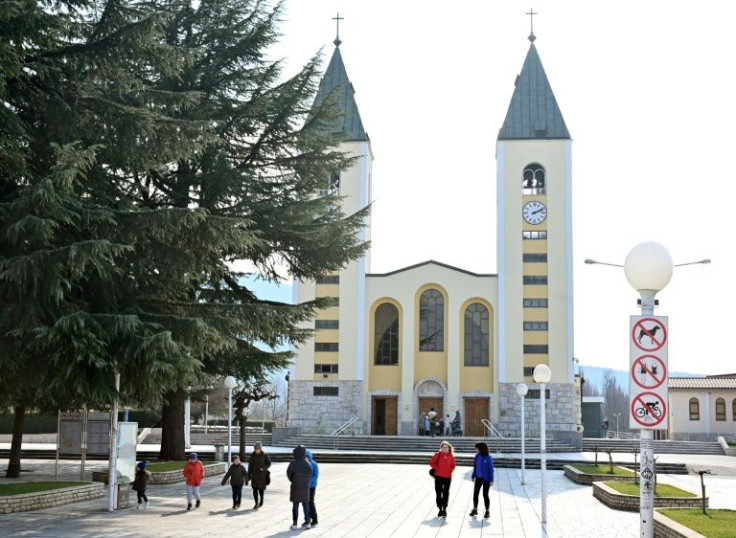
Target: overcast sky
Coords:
[(646, 91)]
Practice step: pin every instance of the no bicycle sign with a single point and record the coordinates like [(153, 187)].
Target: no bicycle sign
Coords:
[(648, 345)]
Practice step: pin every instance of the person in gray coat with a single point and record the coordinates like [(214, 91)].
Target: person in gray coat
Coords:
[(299, 473)]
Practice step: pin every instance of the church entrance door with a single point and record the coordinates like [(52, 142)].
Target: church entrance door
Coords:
[(425, 404), (476, 409), (384, 413)]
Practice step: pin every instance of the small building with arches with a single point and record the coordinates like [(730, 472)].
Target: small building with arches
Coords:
[(702, 408), (392, 346)]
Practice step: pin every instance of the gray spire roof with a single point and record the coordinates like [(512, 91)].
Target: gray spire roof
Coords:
[(533, 112), (348, 125)]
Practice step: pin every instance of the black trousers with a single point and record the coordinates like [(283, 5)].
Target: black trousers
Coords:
[(476, 490), (442, 490), (141, 496), (237, 493), (312, 507)]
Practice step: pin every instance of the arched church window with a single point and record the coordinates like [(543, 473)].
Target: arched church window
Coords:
[(477, 335), (534, 179), (431, 321), (694, 409), (386, 336), (720, 409), (733, 409)]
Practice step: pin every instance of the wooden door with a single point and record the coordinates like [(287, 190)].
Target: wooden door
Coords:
[(425, 404), (384, 415), (476, 409)]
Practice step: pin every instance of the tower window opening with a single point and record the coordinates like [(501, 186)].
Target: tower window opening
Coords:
[(533, 179)]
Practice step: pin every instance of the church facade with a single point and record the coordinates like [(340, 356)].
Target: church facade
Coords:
[(432, 335)]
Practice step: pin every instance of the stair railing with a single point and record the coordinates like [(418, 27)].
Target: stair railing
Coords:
[(341, 430), (490, 429)]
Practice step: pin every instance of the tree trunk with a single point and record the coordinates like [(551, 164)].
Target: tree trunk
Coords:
[(19, 419), (242, 419), (172, 431)]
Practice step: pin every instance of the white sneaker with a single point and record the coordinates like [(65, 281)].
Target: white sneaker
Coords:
[(140, 506), (146, 505), (307, 526), (295, 527)]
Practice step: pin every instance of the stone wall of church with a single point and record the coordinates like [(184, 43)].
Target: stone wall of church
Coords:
[(561, 411), (324, 414)]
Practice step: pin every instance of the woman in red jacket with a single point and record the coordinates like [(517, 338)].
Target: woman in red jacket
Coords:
[(443, 463)]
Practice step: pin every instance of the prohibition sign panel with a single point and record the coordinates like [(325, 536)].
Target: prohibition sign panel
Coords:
[(649, 334), (649, 371), (649, 410)]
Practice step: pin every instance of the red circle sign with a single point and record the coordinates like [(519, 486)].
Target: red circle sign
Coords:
[(648, 413), (649, 371), (649, 335)]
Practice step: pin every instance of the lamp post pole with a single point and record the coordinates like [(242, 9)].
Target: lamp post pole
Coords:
[(521, 390), (617, 415), (230, 384), (543, 375)]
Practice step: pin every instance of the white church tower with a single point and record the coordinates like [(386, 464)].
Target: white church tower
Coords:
[(535, 286), (332, 363)]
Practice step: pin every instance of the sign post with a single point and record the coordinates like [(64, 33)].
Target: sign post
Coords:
[(649, 370)]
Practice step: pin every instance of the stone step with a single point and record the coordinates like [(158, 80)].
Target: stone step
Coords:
[(660, 446)]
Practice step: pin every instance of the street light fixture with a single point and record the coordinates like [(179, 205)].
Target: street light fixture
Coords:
[(230, 384), (542, 375), (521, 390)]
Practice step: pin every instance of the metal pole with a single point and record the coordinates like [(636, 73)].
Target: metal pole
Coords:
[(543, 449), (188, 419), (206, 410), (112, 464), (229, 427), (646, 450), (523, 464)]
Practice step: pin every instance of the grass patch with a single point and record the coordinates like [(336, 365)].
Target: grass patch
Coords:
[(166, 466), (589, 468), (714, 524), (663, 490), (34, 487)]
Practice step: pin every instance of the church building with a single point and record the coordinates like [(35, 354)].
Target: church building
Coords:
[(394, 345)]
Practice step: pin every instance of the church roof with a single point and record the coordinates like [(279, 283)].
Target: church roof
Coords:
[(431, 262), (533, 112), (348, 125), (727, 381)]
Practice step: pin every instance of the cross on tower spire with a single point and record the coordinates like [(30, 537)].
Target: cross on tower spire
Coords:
[(338, 19), (531, 14)]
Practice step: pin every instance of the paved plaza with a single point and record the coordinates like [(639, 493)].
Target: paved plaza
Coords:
[(360, 500)]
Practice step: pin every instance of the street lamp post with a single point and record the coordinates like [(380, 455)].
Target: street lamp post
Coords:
[(230, 384), (648, 268), (521, 390), (542, 375)]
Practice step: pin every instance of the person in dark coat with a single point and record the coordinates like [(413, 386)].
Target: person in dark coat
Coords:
[(238, 478), (482, 477), (258, 473), (299, 473), (140, 483)]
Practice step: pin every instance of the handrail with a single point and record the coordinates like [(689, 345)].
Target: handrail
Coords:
[(345, 426), (492, 431)]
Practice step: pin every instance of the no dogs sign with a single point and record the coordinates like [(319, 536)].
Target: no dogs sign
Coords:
[(649, 340)]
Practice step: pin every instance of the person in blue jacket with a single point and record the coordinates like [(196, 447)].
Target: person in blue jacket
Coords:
[(313, 488), (482, 477)]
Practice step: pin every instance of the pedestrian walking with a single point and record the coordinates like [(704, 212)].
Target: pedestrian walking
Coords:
[(238, 476), (194, 473), (299, 473), (140, 483), (258, 473), (447, 426), (443, 463), (313, 488), (426, 425), (482, 478)]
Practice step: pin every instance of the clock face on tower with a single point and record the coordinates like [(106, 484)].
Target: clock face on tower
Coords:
[(534, 212)]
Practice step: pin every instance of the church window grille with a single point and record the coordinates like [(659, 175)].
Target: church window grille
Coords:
[(326, 346), (327, 324), (532, 257), (535, 303), (328, 279), (538, 349), (325, 368), (477, 335), (533, 394), (720, 409), (535, 326), (326, 391), (332, 185), (334, 301), (431, 321), (535, 279), (694, 409), (386, 335), (533, 179), (534, 234)]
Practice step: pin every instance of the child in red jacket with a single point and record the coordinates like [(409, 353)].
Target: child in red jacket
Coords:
[(443, 463), (194, 473)]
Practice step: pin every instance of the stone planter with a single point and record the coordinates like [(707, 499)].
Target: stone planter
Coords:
[(586, 479), (664, 527), (630, 503), (46, 499), (167, 477)]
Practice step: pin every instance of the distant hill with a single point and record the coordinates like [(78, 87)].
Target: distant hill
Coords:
[(594, 375)]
